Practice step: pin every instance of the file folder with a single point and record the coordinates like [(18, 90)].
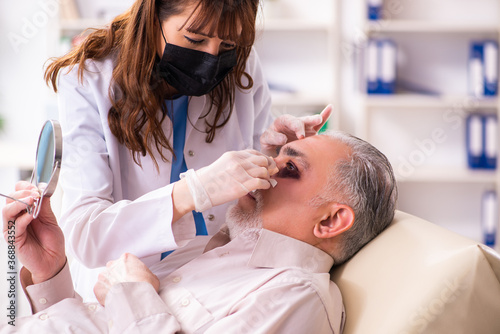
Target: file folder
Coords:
[(476, 82), (490, 125), (489, 217), (483, 68), (474, 139), (381, 66), (372, 67), (375, 9), (490, 65), (387, 63)]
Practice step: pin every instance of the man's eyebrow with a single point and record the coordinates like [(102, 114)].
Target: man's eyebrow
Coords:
[(301, 157)]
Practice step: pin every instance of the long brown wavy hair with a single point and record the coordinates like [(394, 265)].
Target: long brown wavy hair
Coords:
[(137, 91)]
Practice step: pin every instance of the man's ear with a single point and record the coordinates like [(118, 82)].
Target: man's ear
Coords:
[(338, 220)]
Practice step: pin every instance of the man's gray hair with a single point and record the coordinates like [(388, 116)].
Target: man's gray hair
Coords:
[(365, 182)]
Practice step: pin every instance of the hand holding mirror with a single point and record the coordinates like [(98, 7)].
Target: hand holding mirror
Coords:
[(47, 164)]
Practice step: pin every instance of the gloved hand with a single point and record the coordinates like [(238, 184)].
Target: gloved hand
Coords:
[(287, 128), (230, 177)]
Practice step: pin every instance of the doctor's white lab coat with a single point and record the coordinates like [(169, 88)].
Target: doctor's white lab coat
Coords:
[(110, 204)]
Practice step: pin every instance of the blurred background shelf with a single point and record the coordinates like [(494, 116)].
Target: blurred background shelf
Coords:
[(277, 24), (79, 25), (300, 99), (408, 100), (420, 26), (438, 175)]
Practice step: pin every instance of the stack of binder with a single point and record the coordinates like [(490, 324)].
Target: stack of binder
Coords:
[(483, 68), (380, 66), (489, 217), (375, 9), (482, 143)]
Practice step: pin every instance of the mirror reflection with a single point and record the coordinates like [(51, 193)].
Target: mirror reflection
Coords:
[(47, 164), (45, 157)]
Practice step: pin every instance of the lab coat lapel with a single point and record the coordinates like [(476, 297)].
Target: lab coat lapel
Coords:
[(196, 108)]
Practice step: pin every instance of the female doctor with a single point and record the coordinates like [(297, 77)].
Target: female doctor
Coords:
[(148, 106)]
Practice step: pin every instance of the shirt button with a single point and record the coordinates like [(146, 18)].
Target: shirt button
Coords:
[(211, 217), (185, 302), (191, 153), (42, 301), (176, 279), (44, 316), (92, 307)]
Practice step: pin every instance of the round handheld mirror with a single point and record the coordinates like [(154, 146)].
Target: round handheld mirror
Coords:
[(48, 162), (47, 165)]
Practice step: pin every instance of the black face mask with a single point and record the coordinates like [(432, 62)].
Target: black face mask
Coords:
[(192, 72)]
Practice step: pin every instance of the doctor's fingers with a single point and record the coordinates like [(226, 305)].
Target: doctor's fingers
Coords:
[(256, 183), (325, 114), (314, 123), (251, 158), (255, 172), (273, 138), (293, 127)]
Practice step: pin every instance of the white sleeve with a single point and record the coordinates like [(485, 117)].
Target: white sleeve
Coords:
[(261, 97), (98, 229)]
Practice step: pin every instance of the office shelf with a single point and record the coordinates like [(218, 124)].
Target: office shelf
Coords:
[(78, 25), (429, 101), (277, 24), (433, 45), (408, 26), (439, 175)]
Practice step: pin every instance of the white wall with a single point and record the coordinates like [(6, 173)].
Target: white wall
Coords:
[(27, 40), (24, 49)]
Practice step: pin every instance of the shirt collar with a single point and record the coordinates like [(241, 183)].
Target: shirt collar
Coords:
[(274, 250)]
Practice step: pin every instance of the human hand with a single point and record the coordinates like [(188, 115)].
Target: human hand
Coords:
[(230, 177), (39, 242), (287, 128), (128, 268)]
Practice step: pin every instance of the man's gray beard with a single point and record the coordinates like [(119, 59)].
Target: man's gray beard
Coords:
[(239, 221)]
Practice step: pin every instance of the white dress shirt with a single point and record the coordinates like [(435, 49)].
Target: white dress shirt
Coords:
[(111, 205), (261, 282)]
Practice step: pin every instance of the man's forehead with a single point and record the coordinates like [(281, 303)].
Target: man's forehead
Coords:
[(308, 149), (303, 147)]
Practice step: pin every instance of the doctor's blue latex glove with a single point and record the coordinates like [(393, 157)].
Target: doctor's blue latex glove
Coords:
[(230, 177), (287, 128)]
